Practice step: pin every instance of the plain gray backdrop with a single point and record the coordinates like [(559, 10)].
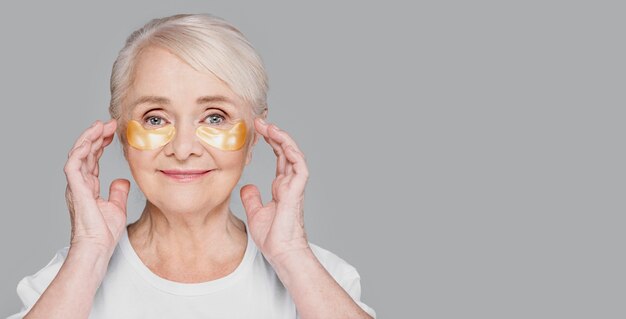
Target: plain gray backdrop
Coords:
[(465, 156)]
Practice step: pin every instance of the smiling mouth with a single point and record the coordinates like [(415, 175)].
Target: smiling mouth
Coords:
[(185, 175)]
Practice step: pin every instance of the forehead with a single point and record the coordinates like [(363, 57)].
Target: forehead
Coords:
[(160, 77)]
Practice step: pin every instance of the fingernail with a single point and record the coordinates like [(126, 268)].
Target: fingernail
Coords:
[(262, 121)]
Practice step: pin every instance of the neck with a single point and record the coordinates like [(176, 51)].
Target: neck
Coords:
[(213, 233)]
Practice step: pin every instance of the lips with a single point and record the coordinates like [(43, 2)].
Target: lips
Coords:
[(185, 175)]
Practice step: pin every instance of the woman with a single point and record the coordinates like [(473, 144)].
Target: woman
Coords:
[(188, 102)]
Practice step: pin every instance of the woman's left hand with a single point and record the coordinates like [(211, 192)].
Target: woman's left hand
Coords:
[(277, 227)]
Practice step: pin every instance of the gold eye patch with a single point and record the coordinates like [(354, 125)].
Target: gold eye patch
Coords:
[(227, 140), (145, 139)]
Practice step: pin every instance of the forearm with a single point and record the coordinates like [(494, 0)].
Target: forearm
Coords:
[(314, 291), (71, 293)]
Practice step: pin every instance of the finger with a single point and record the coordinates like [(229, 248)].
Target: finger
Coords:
[(281, 137), (285, 142), (118, 196), (279, 140), (88, 160), (278, 150), (280, 157), (278, 136), (98, 146), (109, 129), (90, 133), (77, 174), (288, 166), (298, 163), (88, 163), (261, 126), (118, 193), (80, 190), (81, 201), (251, 200), (97, 143), (289, 169), (281, 162), (107, 141), (91, 160), (75, 162), (96, 169)]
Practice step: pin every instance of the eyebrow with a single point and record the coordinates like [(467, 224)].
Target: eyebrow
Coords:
[(163, 100)]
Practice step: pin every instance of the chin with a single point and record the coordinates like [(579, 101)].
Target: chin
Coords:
[(178, 206), (186, 201)]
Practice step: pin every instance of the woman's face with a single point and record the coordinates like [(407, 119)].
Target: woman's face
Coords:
[(167, 91)]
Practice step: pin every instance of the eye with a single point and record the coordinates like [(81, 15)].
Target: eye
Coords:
[(215, 119), (154, 120)]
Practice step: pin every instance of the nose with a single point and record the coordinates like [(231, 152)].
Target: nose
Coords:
[(185, 142)]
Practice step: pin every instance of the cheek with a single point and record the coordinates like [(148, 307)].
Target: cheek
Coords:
[(139, 162), (230, 160)]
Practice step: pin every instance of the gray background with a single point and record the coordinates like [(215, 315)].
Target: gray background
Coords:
[(477, 173)]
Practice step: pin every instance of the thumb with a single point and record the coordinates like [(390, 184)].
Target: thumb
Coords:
[(118, 193), (251, 200)]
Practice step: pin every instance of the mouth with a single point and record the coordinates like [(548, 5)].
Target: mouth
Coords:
[(185, 175)]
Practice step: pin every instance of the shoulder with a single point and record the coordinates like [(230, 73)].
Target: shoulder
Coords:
[(30, 288), (344, 274)]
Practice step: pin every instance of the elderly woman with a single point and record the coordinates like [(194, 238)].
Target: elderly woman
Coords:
[(188, 102)]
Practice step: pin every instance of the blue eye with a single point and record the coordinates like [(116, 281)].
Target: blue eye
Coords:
[(154, 120), (215, 118)]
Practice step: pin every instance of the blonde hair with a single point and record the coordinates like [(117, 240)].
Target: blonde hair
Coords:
[(206, 43)]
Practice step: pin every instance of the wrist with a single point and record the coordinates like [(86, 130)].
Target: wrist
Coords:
[(290, 255), (92, 258), (296, 261)]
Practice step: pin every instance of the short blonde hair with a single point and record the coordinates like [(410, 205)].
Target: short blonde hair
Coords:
[(206, 43)]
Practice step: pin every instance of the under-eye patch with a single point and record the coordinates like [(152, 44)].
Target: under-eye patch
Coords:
[(144, 139), (148, 139), (227, 140)]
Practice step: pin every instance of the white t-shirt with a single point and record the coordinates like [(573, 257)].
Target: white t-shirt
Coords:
[(131, 290)]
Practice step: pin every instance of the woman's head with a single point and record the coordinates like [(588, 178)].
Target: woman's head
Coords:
[(187, 72), (207, 44)]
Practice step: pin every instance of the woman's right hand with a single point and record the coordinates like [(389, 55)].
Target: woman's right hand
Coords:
[(97, 223)]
